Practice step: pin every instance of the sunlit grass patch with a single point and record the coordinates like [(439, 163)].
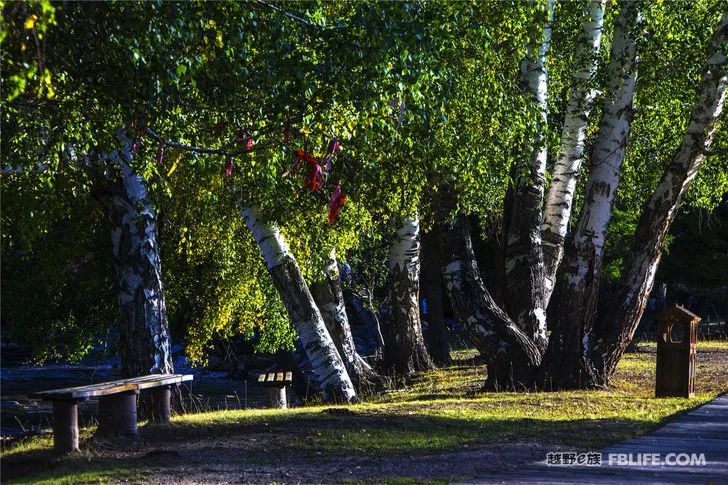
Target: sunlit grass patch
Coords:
[(703, 345)]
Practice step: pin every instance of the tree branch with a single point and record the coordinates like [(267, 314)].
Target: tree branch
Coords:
[(295, 18), (208, 151)]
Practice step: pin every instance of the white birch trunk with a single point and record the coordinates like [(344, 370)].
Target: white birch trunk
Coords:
[(615, 328), (144, 330), (329, 298), (571, 152), (567, 362), (144, 341), (405, 349), (306, 318), (523, 245)]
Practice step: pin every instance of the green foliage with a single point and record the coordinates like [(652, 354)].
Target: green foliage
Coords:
[(698, 254), (57, 291), (417, 93), (28, 22), (671, 61)]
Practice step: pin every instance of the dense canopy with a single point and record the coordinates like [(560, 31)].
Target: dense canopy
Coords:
[(342, 124)]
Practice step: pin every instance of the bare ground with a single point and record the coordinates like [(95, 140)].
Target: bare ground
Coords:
[(227, 465)]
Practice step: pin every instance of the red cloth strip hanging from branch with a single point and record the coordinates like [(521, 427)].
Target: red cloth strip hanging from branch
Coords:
[(228, 165), (337, 201)]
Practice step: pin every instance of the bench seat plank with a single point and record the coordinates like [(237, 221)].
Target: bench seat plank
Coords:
[(275, 379), (113, 387)]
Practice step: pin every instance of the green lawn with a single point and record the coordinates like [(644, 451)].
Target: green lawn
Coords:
[(436, 412)]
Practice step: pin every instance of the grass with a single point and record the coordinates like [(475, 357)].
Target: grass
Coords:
[(73, 474), (441, 411), (705, 346)]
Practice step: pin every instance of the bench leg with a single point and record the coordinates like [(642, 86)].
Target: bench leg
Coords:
[(277, 397), (118, 414), (65, 426), (161, 404)]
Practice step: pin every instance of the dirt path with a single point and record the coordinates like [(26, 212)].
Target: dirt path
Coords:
[(217, 464), (240, 459)]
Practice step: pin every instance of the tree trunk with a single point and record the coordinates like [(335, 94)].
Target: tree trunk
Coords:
[(511, 357), (144, 330), (307, 320), (615, 328), (524, 271), (432, 295), (571, 152), (329, 298), (364, 323), (566, 364), (404, 349)]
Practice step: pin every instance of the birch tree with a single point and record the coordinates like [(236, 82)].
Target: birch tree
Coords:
[(404, 348), (330, 371), (524, 270), (98, 154), (577, 356), (424, 99), (143, 325), (559, 202), (511, 355), (573, 313), (144, 329), (329, 298), (615, 328)]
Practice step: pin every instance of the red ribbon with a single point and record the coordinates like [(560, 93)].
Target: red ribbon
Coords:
[(228, 165), (337, 201)]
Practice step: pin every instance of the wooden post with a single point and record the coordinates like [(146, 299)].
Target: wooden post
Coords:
[(275, 383), (277, 397), (118, 414), (65, 426), (161, 404)]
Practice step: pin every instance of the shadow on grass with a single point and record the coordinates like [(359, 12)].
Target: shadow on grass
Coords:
[(307, 440)]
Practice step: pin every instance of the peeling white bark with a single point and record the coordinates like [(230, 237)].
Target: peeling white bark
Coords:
[(329, 298), (534, 75), (591, 231), (405, 251), (571, 152), (328, 365), (405, 349), (511, 355), (269, 239), (523, 258), (567, 363), (144, 330)]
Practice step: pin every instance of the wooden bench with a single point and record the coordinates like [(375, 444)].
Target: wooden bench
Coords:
[(117, 406), (276, 383)]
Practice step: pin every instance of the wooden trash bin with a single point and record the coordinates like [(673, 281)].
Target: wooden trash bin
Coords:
[(676, 352)]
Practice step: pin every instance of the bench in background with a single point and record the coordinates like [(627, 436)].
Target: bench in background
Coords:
[(276, 383)]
